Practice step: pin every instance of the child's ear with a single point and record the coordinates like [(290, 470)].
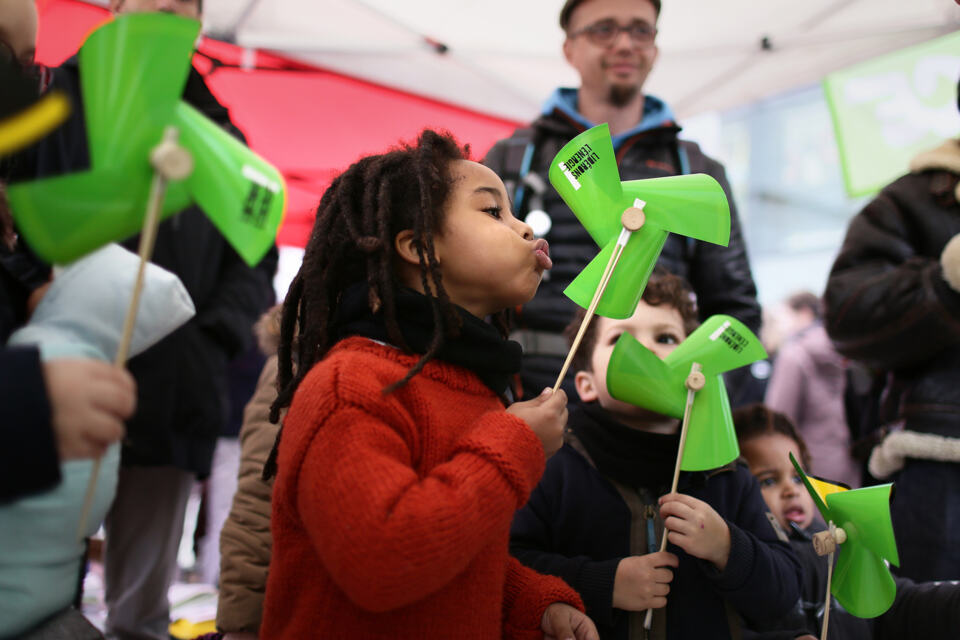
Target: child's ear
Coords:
[(407, 249), (586, 386)]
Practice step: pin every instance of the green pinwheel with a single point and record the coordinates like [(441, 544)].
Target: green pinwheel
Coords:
[(133, 71), (860, 523), (637, 376), (585, 174)]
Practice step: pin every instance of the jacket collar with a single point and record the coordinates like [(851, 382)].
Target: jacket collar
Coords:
[(656, 113)]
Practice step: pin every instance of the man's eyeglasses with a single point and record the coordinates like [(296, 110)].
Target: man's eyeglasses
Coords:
[(604, 33)]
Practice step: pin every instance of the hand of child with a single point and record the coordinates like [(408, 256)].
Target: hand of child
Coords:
[(547, 416), (89, 402), (696, 528), (562, 622), (643, 582)]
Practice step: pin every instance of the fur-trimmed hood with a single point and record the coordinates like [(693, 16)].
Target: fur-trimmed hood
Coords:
[(945, 157)]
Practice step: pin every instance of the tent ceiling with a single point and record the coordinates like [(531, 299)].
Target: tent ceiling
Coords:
[(504, 55)]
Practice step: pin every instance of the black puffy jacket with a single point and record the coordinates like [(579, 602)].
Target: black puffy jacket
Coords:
[(720, 276), (887, 303)]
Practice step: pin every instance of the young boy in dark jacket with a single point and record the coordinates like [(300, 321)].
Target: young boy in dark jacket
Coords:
[(597, 516), (929, 610)]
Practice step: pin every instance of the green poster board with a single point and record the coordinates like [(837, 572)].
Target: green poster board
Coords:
[(890, 108)]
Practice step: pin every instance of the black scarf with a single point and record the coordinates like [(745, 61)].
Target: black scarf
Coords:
[(479, 347), (637, 459)]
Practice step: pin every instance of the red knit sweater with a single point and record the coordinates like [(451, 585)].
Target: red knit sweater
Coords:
[(391, 513)]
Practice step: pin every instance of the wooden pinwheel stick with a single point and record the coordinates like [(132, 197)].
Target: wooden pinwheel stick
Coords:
[(170, 161), (695, 381), (632, 220), (825, 544)]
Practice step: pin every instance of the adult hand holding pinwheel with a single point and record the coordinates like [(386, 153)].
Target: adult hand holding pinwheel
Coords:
[(149, 150)]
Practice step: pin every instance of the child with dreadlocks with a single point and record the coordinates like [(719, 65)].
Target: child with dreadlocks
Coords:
[(398, 469)]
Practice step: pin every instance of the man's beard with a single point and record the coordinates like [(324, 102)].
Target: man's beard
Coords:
[(621, 94)]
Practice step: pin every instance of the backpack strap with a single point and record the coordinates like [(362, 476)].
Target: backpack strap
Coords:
[(517, 160)]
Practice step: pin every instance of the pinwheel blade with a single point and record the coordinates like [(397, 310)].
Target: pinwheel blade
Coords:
[(66, 217), (239, 191), (711, 437), (865, 515), (862, 582), (720, 344), (818, 489), (636, 375), (626, 285), (585, 174), (133, 71), (690, 205)]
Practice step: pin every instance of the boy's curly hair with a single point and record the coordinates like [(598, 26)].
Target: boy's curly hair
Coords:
[(352, 242), (663, 288), (756, 419)]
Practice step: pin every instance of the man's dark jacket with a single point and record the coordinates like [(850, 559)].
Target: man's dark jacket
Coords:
[(181, 381), (720, 276)]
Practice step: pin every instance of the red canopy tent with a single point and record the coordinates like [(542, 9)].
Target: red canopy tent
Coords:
[(309, 122)]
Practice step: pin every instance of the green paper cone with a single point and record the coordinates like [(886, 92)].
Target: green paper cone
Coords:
[(861, 581), (869, 508), (711, 437), (242, 194), (586, 175), (133, 71), (691, 205), (637, 376), (629, 279)]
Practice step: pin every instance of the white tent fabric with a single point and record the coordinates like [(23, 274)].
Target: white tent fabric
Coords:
[(503, 56)]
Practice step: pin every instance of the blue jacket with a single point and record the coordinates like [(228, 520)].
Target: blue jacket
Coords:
[(578, 525)]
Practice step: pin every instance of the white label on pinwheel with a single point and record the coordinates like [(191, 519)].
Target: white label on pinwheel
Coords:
[(253, 175), (573, 180)]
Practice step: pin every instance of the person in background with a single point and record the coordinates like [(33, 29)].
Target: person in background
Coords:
[(181, 381), (893, 303), (61, 409), (243, 373), (245, 542), (807, 384), (612, 46), (596, 518), (921, 610)]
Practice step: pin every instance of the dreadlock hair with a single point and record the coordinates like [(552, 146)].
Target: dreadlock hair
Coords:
[(7, 235), (756, 419), (662, 288), (352, 240)]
